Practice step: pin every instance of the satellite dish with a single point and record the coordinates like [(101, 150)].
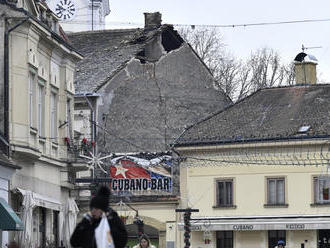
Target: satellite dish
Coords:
[(304, 57), (300, 57)]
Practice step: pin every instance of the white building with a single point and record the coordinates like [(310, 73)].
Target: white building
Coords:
[(36, 119), (80, 15)]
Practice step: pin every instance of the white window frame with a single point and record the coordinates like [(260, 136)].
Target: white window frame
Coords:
[(320, 184), (68, 117), (41, 108), (53, 115), (32, 88)]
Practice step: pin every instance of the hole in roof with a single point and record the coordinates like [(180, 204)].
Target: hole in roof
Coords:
[(171, 40), (304, 129)]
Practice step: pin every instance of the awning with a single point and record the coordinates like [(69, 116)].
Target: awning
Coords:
[(43, 201), (302, 222), (9, 221)]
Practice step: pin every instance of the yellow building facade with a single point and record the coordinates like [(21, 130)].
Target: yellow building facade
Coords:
[(233, 188), (257, 171)]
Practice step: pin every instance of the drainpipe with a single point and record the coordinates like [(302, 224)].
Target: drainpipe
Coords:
[(6, 76)]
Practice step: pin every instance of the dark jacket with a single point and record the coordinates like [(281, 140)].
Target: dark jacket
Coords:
[(83, 235)]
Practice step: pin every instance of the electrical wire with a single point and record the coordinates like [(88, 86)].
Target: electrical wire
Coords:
[(244, 25)]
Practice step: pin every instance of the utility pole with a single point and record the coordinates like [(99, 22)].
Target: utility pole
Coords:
[(187, 214)]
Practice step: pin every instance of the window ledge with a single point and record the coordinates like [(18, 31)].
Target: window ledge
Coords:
[(54, 144), (276, 205), (42, 139), (33, 131), (320, 204), (225, 206)]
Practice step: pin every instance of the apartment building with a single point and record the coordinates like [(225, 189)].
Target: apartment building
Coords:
[(37, 90)]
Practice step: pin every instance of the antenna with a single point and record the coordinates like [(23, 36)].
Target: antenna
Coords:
[(303, 48)]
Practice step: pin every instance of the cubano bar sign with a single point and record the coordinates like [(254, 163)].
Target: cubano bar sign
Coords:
[(139, 176)]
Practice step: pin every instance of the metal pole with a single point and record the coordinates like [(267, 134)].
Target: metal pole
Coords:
[(92, 15)]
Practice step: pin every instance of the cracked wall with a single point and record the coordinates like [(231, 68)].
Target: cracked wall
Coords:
[(151, 103)]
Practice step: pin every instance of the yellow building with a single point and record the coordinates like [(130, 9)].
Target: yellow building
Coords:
[(257, 171), (37, 89)]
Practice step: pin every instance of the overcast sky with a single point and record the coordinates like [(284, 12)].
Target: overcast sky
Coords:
[(286, 39)]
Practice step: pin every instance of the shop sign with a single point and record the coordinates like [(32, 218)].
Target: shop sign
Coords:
[(135, 176), (295, 226), (242, 227)]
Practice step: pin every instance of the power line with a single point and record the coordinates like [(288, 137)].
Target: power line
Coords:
[(219, 25), (255, 24)]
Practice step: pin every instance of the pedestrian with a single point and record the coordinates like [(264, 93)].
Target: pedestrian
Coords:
[(144, 242), (84, 234), (280, 244)]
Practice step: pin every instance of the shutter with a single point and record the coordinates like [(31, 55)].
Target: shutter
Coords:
[(271, 191), (280, 191)]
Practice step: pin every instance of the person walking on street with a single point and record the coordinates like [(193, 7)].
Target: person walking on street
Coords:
[(84, 234), (144, 242), (280, 244)]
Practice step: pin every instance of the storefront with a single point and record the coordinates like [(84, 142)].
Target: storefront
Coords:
[(305, 231), (8, 218)]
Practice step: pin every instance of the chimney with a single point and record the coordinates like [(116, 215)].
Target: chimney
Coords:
[(152, 20), (305, 68)]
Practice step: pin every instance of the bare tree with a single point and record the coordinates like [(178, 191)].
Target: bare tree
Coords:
[(238, 78)]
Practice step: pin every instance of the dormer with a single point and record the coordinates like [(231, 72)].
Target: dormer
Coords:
[(47, 17)]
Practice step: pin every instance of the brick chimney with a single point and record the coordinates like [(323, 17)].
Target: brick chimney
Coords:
[(152, 20), (305, 68)]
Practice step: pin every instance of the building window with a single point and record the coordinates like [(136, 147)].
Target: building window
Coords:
[(225, 239), (53, 116), (41, 110), (321, 189), (275, 191), (68, 118), (32, 78), (224, 192), (274, 236)]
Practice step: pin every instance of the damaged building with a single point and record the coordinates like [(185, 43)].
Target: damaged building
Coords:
[(136, 91)]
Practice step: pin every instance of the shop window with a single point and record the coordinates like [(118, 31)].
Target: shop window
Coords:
[(321, 190), (274, 236), (276, 191), (323, 238), (224, 192), (225, 239)]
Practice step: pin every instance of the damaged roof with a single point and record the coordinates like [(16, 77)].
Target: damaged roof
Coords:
[(269, 114), (106, 52)]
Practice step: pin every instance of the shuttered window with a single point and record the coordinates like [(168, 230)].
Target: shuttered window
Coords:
[(275, 191), (225, 192)]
